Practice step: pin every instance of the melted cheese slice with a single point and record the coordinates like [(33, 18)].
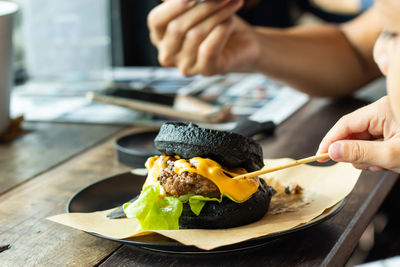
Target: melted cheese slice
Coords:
[(239, 190)]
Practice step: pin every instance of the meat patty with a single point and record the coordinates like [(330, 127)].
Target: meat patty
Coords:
[(187, 182)]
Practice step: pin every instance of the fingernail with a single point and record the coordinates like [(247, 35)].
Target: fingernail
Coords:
[(336, 151)]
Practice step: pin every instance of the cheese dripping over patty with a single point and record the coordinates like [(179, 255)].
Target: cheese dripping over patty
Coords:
[(238, 190)]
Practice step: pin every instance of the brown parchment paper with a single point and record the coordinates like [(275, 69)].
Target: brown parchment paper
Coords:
[(323, 187)]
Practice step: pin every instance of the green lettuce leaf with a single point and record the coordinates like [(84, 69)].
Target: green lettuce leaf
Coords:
[(197, 203), (153, 211)]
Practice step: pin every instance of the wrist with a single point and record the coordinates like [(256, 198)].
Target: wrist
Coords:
[(254, 54), (248, 40), (257, 63), (265, 42)]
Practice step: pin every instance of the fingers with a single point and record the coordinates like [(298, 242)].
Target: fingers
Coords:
[(185, 33), (213, 47), (360, 124), (159, 17), (209, 51), (354, 136), (373, 155), (351, 139)]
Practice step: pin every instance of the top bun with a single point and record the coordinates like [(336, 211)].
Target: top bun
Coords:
[(229, 149)]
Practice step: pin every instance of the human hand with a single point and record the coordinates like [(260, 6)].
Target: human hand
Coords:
[(351, 139), (204, 38)]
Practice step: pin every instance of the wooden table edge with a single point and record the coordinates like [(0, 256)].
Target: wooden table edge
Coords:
[(340, 254)]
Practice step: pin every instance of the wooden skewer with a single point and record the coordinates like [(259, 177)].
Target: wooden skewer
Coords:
[(284, 166)]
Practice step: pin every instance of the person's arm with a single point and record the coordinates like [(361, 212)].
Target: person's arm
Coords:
[(208, 39), (323, 60)]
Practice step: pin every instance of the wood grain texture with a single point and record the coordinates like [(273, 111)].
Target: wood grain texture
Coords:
[(37, 241), (328, 244), (44, 146)]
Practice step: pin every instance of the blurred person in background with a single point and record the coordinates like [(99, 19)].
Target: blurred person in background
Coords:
[(209, 38), (138, 49), (272, 13)]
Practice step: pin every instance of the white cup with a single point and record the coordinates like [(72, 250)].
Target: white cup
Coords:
[(7, 11)]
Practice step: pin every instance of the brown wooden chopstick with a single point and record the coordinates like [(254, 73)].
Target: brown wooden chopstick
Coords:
[(283, 166)]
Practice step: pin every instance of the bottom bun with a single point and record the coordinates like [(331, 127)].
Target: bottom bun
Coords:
[(228, 214)]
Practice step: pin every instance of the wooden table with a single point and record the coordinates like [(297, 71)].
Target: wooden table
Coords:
[(40, 171)]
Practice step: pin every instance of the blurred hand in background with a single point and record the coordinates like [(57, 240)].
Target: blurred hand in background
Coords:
[(202, 38)]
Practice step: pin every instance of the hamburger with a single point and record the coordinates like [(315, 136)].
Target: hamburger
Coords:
[(192, 184)]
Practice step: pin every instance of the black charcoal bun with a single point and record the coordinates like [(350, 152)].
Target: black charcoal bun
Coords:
[(228, 149), (228, 214)]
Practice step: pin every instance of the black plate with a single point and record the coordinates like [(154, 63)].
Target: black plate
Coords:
[(116, 190), (133, 150)]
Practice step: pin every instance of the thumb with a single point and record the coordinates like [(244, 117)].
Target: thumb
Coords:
[(358, 152)]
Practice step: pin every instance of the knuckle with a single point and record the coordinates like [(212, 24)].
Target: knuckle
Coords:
[(356, 153), (153, 39), (375, 122), (208, 71), (391, 155), (338, 125), (346, 118), (185, 68), (153, 21), (195, 36), (174, 28), (207, 52), (185, 72), (165, 60), (208, 9)]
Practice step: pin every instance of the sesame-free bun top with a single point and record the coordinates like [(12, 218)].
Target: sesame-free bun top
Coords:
[(229, 149)]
